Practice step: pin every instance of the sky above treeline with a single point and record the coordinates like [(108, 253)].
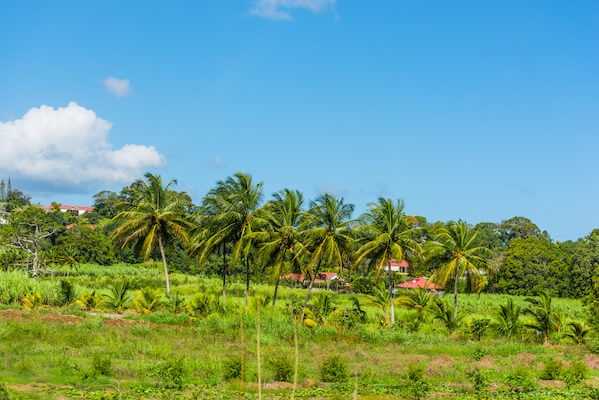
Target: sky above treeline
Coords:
[(476, 110)]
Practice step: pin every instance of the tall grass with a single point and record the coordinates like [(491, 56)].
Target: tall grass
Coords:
[(15, 285)]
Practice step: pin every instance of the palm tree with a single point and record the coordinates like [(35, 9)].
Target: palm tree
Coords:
[(457, 253), (507, 318), (578, 332), (388, 234), (156, 220), (442, 312), (542, 314), (328, 237), (419, 300), (234, 204), (285, 225)]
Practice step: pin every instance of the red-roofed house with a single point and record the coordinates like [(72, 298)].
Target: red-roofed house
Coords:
[(69, 226), (75, 210), (420, 283), (399, 267), (322, 277)]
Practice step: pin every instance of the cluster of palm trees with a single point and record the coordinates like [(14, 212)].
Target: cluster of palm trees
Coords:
[(288, 233)]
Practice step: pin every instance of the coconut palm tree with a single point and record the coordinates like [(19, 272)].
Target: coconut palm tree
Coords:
[(387, 234), (578, 332), (507, 318), (542, 313), (419, 300), (155, 221), (457, 253), (328, 236), (280, 237)]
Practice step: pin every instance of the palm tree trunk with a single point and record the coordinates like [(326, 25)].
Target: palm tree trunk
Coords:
[(247, 280), (455, 298), (168, 286), (310, 289), (274, 297), (224, 273), (391, 296)]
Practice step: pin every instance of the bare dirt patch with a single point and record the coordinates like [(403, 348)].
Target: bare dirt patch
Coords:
[(592, 361), (486, 362), (119, 322), (51, 318)]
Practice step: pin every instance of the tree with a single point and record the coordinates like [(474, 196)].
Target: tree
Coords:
[(507, 317), (519, 228), (29, 231), (285, 226), (106, 203), (532, 265), (233, 217), (16, 200), (542, 313), (153, 221), (419, 300), (584, 264), (386, 233), (90, 245), (578, 332), (457, 253), (328, 236)]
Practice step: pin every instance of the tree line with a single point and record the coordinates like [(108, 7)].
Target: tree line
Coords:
[(234, 231)]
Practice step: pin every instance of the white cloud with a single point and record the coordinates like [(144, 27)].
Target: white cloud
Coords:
[(69, 148), (279, 9), (118, 87)]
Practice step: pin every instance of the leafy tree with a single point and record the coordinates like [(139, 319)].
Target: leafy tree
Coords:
[(106, 203), (387, 234), (519, 228), (328, 235), (16, 200), (532, 265), (457, 253), (90, 245), (584, 265), (489, 235), (29, 231), (153, 221)]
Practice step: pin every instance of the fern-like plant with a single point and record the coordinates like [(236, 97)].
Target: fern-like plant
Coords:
[(578, 332), (507, 319), (89, 301), (66, 292), (118, 298), (202, 304)]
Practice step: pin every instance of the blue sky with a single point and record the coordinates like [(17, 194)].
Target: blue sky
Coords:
[(466, 109)]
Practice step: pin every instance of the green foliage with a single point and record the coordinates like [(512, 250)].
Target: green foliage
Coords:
[(117, 298), (232, 368), (578, 332), (479, 353), (480, 382), (66, 292), (89, 245), (15, 285), (33, 301), (4, 395), (175, 302), (334, 369), (520, 380), (507, 319), (552, 370), (576, 372), (89, 301), (203, 304), (478, 327), (101, 364), (147, 301), (442, 312), (418, 386), (172, 372), (281, 367)]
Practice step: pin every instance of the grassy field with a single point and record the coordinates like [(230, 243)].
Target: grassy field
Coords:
[(65, 352)]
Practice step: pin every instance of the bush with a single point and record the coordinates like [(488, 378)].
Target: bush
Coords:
[(333, 369), (4, 392), (281, 367), (480, 381), (232, 368), (418, 386), (66, 292), (101, 365), (478, 327), (552, 370), (479, 353), (172, 372), (520, 380), (575, 373)]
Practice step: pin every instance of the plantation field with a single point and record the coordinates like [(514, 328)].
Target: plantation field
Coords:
[(64, 352)]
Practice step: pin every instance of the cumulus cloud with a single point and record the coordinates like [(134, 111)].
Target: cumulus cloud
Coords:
[(118, 87), (279, 9), (69, 148)]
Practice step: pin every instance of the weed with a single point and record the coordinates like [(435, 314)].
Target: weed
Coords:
[(334, 369)]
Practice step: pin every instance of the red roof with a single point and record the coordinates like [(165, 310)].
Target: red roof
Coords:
[(327, 275), (419, 283), (69, 226), (402, 263)]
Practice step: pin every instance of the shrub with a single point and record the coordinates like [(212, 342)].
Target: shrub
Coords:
[(172, 372), (333, 369), (520, 380), (480, 381), (117, 298), (478, 327), (33, 301), (66, 292), (281, 367), (552, 370), (203, 304), (147, 300), (575, 373), (101, 364), (175, 302), (417, 384), (232, 368), (4, 392), (479, 353), (89, 301)]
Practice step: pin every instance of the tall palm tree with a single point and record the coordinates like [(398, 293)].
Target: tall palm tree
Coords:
[(157, 219), (281, 236), (457, 253), (578, 332), (328, 236), (387, 234), (419, 300)]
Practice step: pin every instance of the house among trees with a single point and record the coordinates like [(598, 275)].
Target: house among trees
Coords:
[(322, 278), (421, 283), (399, 267), (74, 210)]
